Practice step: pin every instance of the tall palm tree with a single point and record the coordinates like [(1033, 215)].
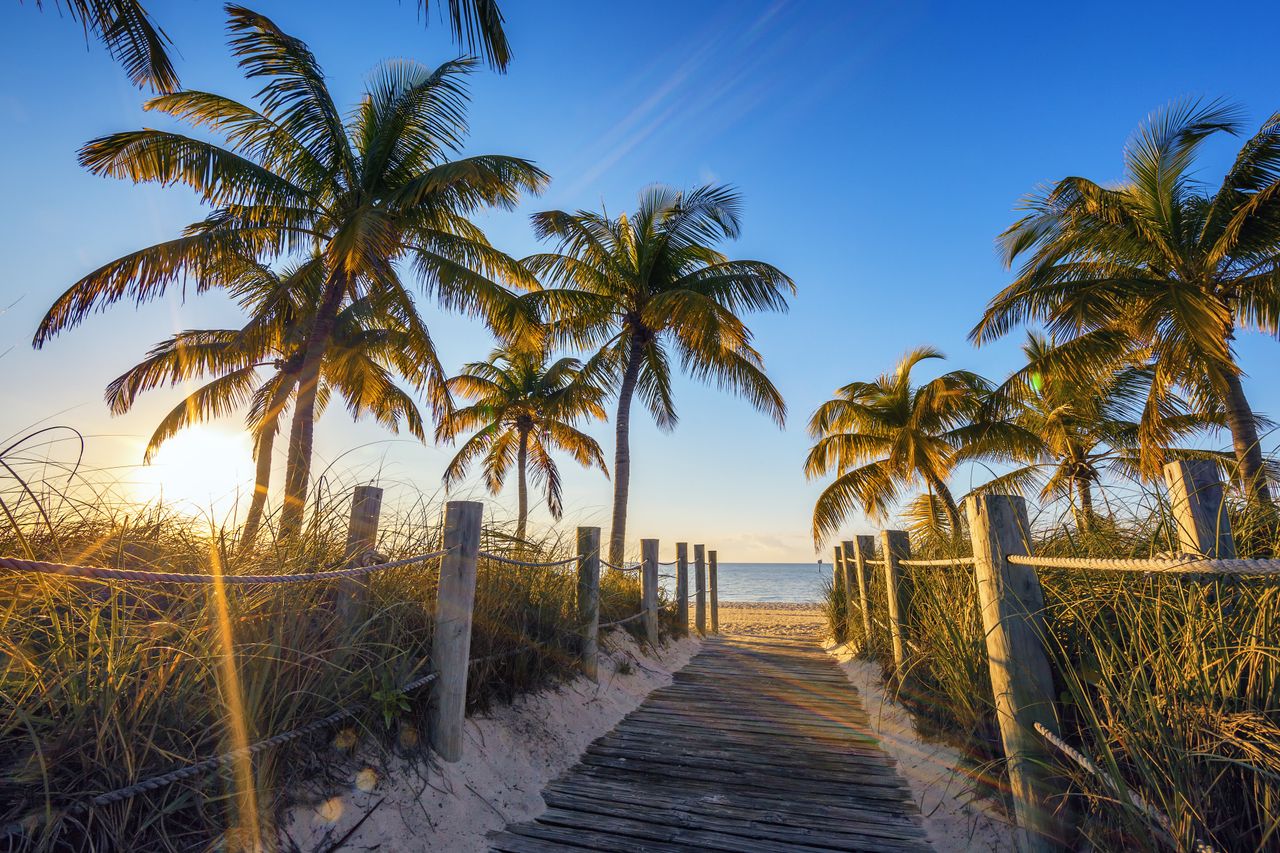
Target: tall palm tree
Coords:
[(368, 350), (132, 37), (641, 289), (363, 194), (1159, 268), (883, 436), (1076, 427), (523, 410)]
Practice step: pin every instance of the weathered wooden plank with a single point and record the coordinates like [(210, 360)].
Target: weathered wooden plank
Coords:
[(834, 806), (743, 825), (836, 819)]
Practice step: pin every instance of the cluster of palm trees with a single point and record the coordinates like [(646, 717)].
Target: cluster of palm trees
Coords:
[(1141, 288), (317, 219)]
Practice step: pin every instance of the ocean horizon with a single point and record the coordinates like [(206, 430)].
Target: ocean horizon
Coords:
[(777, 582)]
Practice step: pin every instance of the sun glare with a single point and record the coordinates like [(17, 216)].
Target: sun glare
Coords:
[(200, 471)]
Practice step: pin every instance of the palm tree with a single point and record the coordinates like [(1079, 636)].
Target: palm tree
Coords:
[(883, 436), (133, 38), (1074, 428), (363, 194), (641, 289), (1159, 269), (523, 410), (368, 349)]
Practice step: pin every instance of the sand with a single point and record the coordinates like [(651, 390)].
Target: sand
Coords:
[(509, 755), (954, 817), (514, 751), (772, 619)]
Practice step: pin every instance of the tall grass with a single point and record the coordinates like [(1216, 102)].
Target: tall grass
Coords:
[(1171, 684), (104, 683)]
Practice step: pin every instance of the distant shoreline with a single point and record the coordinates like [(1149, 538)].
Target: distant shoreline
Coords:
[(770, 605)]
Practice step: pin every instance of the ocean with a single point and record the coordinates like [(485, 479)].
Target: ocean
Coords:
[(790, 582)]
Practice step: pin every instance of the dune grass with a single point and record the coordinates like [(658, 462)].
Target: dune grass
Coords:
[(1171, 684), (109, 682)]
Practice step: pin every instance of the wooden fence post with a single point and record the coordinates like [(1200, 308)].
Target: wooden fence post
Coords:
[(649, 588), (1012, 606), (896, 546), (682, 589), (715, 592), (1195, 496), (861, 549), (700, 585), (362, 538), (589, 598), (451, 645), (840, 576)]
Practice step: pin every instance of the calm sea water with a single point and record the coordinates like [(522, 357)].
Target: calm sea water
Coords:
[(798, 582)]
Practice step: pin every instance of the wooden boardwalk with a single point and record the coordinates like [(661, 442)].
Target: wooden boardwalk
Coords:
[(759, 744)]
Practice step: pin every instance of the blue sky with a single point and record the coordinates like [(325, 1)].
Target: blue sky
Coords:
[(880, 147)]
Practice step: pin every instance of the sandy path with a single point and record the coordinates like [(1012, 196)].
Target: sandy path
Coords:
[(770, 619)]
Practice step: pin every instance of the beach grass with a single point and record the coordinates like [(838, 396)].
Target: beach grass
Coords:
[(1171, 685), (109, 682)]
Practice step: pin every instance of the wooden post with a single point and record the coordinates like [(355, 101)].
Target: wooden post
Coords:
[(862, 548), (589, 599), (1012, 606), (700, 586), (362, 538), (715, 592), (451, 645), (682, 588), (896, 546), (1195, 495), (649, 588), (840, 587)]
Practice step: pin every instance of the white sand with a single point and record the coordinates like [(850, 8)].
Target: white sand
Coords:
[(772, 619), (510, 754), (954, 817)]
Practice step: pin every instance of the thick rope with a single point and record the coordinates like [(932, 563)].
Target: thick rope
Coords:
[(621, 621), (497, 558), (874, 562), (103, 573), (931, 564), (1150, 811), (1166, 565), (609, 565)]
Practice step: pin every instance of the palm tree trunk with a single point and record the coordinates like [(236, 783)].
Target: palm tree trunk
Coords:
[(522, 485), (622, 454), (948, 502), (302, 430), (261, 485), (1244, 439), (1084, 511), (262, 458)]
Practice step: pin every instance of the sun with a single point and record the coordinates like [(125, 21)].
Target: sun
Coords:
[(201, 471)]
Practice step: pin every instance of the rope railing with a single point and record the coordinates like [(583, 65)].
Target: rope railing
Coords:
[(632, 568), (105, 573), (616, 622), (1135, 799), (954, 562), (1187, 564), (498, 558)]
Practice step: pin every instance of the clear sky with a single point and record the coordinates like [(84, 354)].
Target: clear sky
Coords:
[(880, 147)]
